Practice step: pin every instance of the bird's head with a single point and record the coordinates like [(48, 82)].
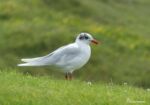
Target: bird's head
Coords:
[(86, 38)]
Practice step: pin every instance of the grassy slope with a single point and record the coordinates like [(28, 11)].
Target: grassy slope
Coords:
[(33, 28), (18, 89)]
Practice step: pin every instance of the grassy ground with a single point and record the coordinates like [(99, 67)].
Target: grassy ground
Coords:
[(18, 89)]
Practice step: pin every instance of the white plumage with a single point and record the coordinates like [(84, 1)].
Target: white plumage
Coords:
[(69, 58)]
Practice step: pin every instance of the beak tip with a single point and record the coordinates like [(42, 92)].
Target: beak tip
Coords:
[(95, 41)]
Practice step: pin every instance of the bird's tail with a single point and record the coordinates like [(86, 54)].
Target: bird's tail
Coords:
[(23, 64), (39, 61), (31, 62)]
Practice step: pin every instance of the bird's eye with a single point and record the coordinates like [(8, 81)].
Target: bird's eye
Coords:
[(86, 37)]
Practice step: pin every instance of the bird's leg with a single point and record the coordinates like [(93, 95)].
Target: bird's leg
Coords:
[(67, 76), (70, 75)]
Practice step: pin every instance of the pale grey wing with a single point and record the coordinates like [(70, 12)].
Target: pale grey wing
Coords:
[(65, 54), (59, 55)]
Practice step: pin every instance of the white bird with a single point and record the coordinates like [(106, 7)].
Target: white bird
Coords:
[(69, 58)]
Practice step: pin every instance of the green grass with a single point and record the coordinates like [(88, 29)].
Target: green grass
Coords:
[(30, 28), (18, 89)]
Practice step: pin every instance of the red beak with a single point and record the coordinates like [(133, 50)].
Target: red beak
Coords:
[(94, 41)]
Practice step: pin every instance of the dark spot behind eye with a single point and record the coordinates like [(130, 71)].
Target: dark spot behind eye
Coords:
[(81, 37)]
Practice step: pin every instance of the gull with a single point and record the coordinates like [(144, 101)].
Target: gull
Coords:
[(68, 58)]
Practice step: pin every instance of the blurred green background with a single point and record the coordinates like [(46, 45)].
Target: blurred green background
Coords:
[(31, 28)]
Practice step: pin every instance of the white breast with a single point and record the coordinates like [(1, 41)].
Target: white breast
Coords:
[(80, 60)]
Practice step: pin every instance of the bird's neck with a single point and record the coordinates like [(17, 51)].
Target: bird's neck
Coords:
[(81, 43), (83, 46)]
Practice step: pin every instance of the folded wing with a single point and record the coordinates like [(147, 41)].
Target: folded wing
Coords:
[(60, 55)]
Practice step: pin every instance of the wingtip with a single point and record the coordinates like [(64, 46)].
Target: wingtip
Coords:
[(23, 60), (19, 64)]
